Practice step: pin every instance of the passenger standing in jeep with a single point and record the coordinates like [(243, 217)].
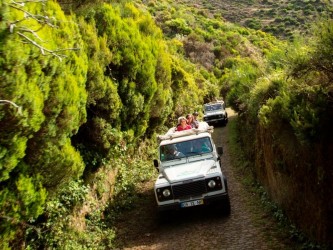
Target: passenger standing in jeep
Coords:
[(195, 119), (182, 124), (190, 121)]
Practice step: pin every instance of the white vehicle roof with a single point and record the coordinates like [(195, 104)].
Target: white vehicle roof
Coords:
[(173, 136)]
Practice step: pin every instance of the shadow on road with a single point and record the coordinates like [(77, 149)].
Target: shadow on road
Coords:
[(191, 215)]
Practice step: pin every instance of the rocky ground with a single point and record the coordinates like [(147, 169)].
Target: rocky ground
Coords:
[(247, 227)]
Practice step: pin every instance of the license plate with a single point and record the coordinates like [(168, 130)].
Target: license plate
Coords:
[(191, 203)]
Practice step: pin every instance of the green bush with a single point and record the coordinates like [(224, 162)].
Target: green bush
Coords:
[(253, 24), (62, 230), (240, 79), (47, 80), (178, 26)]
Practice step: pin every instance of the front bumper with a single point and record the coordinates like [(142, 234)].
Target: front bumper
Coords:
[(214, 119), (208, 200)]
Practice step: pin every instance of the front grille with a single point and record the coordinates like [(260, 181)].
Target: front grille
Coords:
[(213, 117), (189, 189)]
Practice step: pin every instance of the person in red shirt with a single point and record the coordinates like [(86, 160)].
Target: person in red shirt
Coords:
[(182, 124)]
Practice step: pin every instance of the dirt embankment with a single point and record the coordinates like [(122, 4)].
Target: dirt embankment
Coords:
[(247, 227)]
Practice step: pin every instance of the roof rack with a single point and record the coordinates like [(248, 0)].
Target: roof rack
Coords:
[(172, 133), (214, 102)]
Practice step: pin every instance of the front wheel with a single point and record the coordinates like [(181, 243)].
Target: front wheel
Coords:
[(222, 207), (226, 206)]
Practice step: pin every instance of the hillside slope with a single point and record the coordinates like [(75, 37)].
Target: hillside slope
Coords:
[(281, 18)]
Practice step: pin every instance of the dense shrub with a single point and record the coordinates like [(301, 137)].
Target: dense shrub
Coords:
[(253, 24), (177, 26), (291, 112), (35, 151)]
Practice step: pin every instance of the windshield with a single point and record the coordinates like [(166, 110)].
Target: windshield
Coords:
[(184, 149), (213, 107)]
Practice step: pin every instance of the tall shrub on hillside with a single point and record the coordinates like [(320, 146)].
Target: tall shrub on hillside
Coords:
[(43, 72), (97, 136), (308, 95), (240, 78), (313, 72), (128, 80), (134, 42), (299, 120)]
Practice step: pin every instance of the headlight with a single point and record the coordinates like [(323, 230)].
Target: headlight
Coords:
[(214, 184), (166, 192), (211, 184)]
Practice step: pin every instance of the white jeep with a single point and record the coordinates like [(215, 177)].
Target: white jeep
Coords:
[(214, 112), (189, 169)]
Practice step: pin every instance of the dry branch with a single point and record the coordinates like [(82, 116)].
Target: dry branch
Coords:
[(19, 108), (41, 19)]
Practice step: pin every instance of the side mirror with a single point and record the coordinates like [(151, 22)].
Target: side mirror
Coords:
[(156, 164), (220, 151)]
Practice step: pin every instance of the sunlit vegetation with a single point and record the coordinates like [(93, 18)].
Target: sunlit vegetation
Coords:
[(274, 17), (85, 86), (79, 94)]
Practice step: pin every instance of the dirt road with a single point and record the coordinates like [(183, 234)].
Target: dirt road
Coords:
[(247, 227)]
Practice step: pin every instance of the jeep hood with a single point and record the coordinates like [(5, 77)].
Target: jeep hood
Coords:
[(189, 171)]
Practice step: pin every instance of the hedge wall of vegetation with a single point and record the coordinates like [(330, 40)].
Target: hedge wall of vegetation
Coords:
[(77, 91), (287, 113)]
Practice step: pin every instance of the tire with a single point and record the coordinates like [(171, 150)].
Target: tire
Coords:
[(227, 207), (226, 203), (223, 122), (222, 207), (225, 183)]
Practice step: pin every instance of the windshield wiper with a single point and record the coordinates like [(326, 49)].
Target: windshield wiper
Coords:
[(193, 153)]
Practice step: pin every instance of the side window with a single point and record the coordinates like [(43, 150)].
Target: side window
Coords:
[(162, 153)]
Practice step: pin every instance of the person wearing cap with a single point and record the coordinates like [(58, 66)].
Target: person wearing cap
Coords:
[(195, 121), (182, 124)]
